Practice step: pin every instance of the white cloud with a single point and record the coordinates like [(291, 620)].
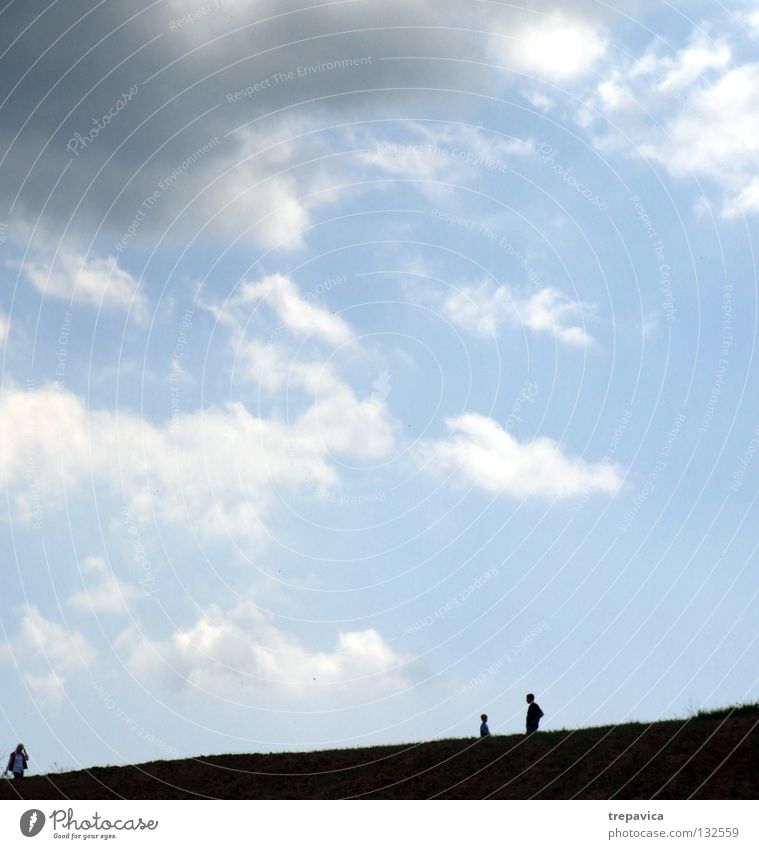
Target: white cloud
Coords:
[(249, 187), (490, 458), (89, 280), (218, 469), (298, 314), (553, 47), (540, 100), (745, 202), (641, 83), (484, 308), (273, 366), (47, 653), (241, 650), (336, 419), (270, 362), (104, 592), (5, 326), (693, 112), (436, 151), (688, 65), (715, 132), (178, 373), (49, 687), (347, 423)]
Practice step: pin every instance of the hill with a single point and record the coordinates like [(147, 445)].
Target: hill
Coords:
[(709, 756)]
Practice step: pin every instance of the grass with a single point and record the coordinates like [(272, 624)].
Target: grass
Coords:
[(710, 754)]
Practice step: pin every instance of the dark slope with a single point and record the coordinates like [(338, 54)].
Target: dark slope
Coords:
[(710, 757)]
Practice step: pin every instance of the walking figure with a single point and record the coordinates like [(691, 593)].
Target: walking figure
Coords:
[(534, 714), (18, 761)]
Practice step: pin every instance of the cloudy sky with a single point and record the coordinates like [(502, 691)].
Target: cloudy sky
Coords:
[(369, 364)]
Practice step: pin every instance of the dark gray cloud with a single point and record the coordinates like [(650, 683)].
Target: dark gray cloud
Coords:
[(116, 115)]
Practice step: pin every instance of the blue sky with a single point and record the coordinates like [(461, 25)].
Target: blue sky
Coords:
[(367, 366)]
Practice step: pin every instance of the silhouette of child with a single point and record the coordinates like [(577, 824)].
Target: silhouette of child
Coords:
[(534, 714), (484, 730)]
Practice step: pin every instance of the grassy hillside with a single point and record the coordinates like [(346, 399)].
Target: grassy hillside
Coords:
[(709, 756)]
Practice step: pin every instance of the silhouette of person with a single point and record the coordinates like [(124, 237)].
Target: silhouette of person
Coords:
[(534, 714), (484, 730), (18, 761)]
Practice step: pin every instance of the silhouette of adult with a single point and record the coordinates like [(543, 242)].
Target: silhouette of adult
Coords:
[(18, 761), (484, 730), (534, 714)]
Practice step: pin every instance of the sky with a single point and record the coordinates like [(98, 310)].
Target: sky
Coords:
[(366, 366)]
